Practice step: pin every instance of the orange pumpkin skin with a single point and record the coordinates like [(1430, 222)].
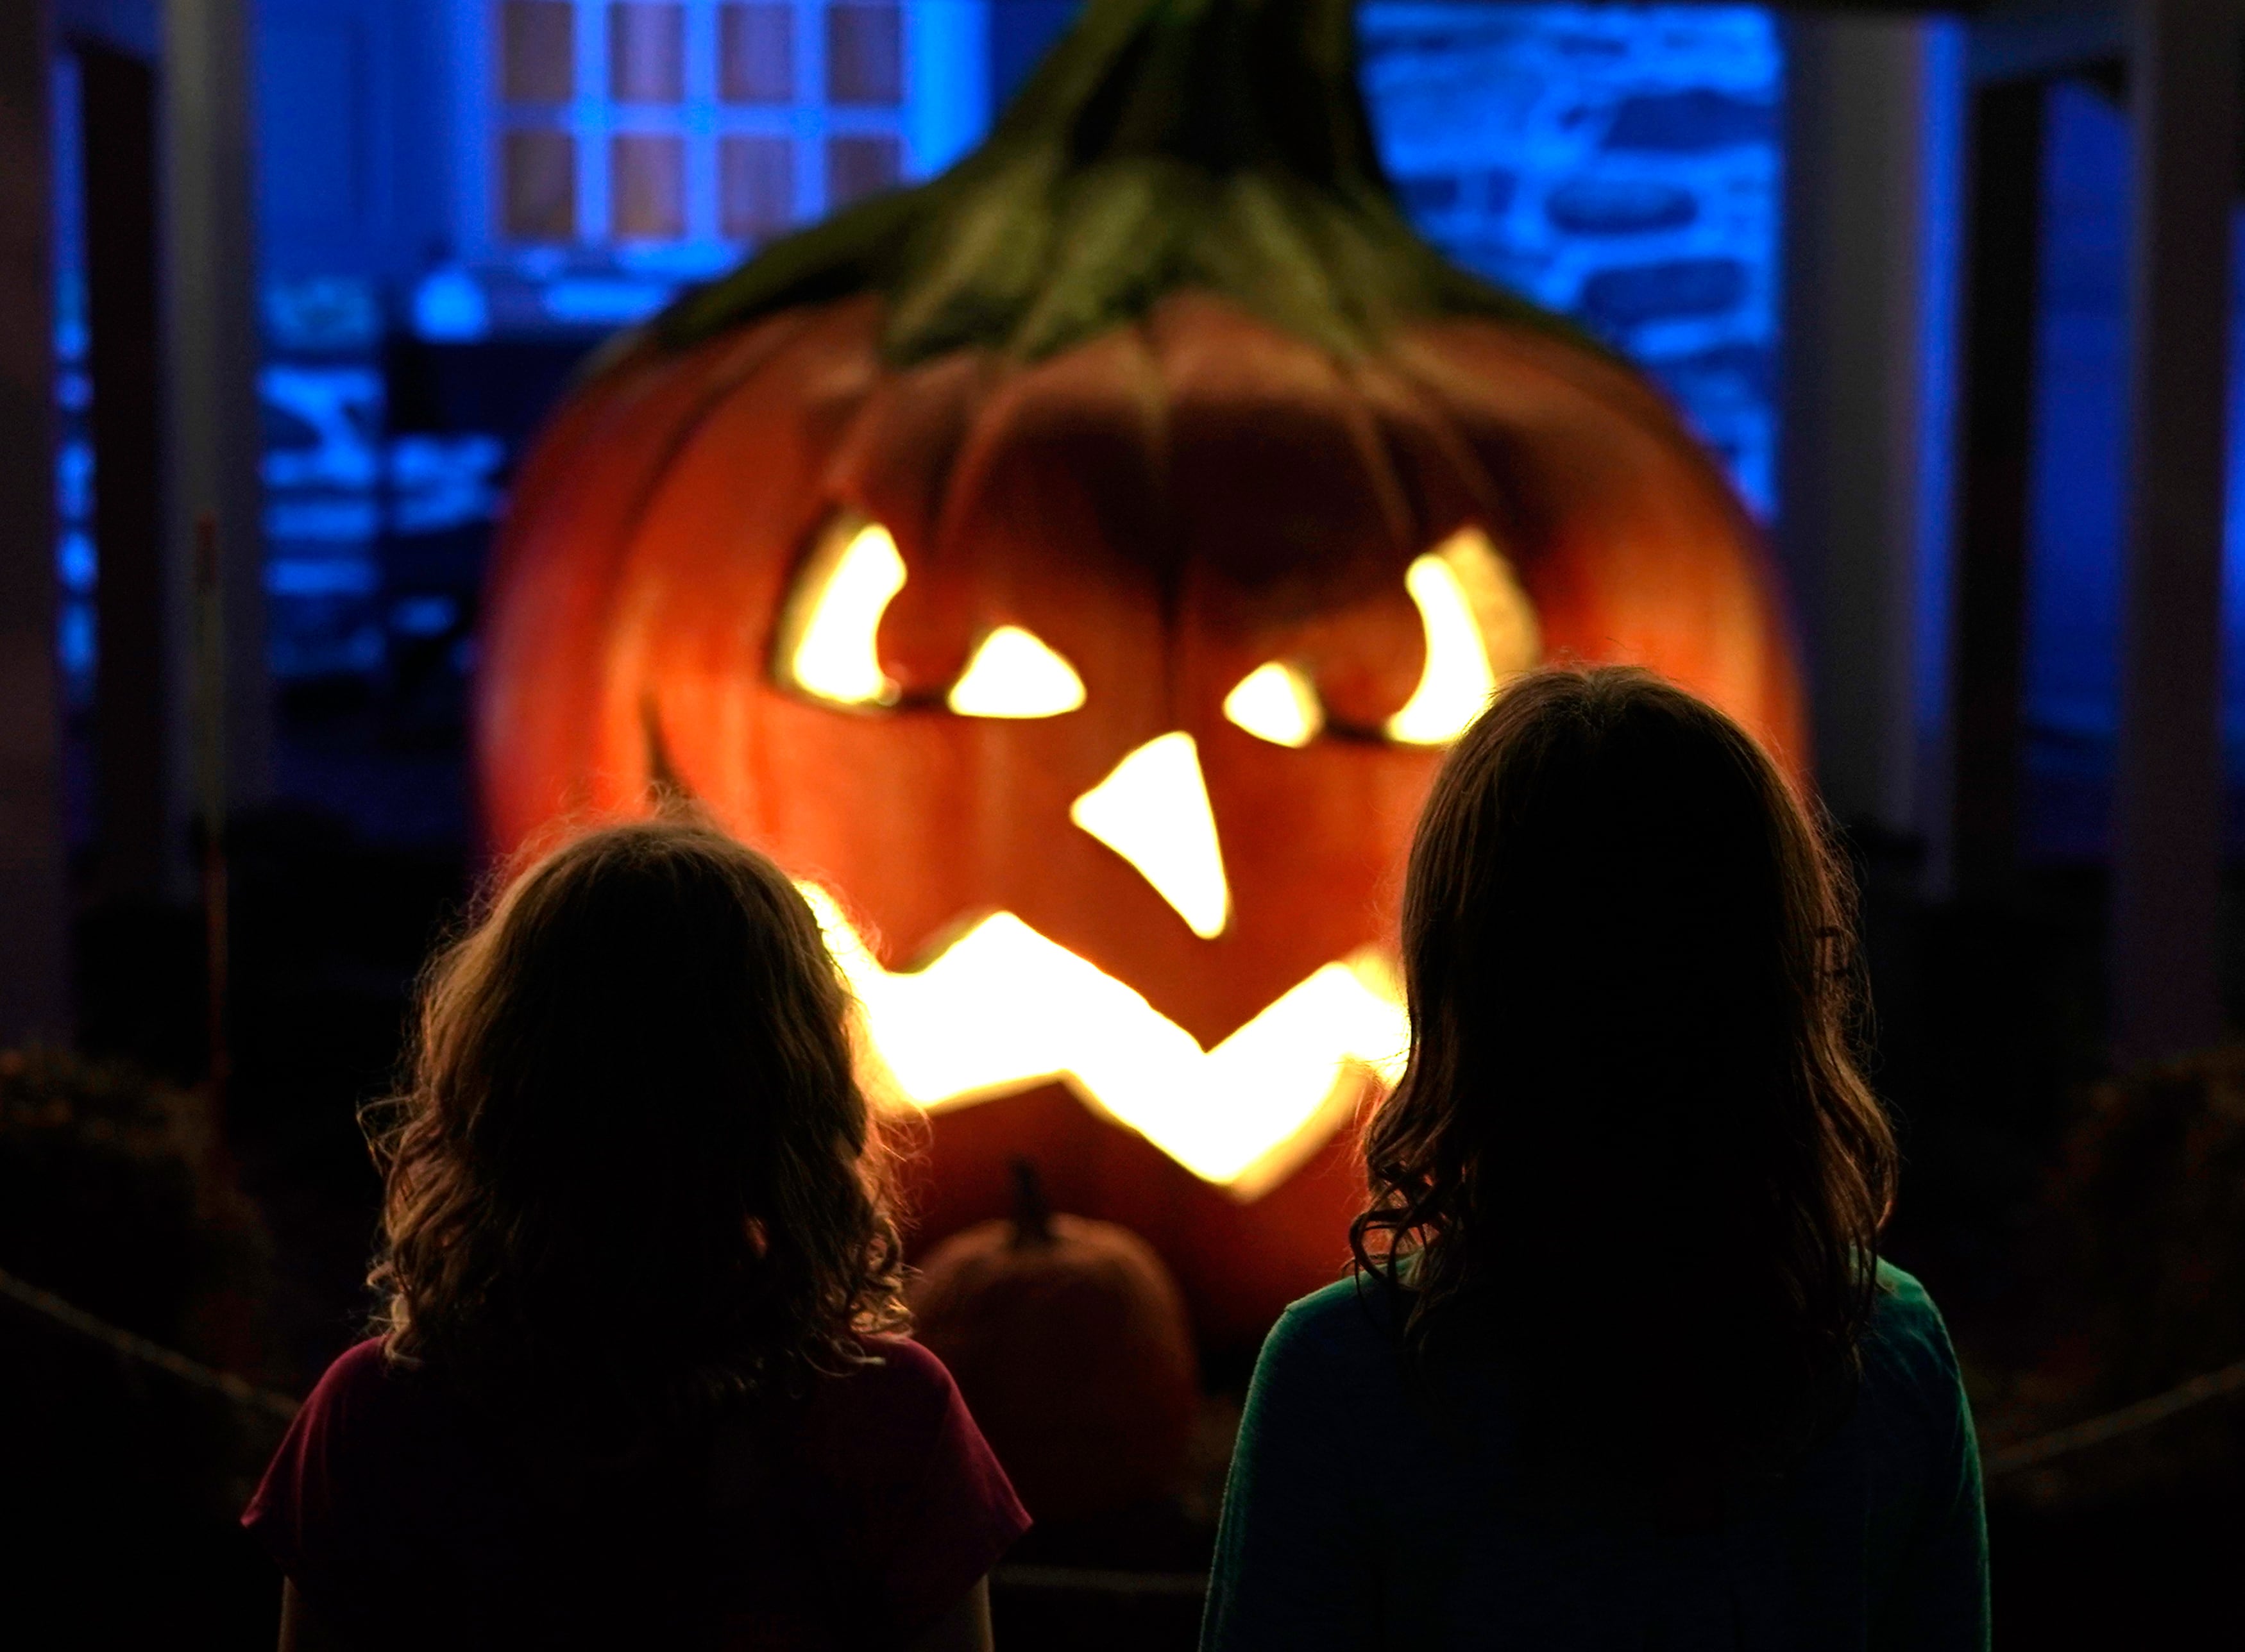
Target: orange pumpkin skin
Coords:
[(1169, 501), (1237, 1263), (1073, 1351)]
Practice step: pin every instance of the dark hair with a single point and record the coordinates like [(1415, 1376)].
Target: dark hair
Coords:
[(1631, 1146), (633, 1176)]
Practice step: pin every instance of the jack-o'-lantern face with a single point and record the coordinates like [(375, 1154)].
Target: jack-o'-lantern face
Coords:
[(1098, 734), (1080, 794), (1177, 843), (1072, 572)]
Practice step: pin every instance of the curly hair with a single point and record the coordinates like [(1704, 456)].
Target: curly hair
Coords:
[(633, 1176), (1631, 1144)]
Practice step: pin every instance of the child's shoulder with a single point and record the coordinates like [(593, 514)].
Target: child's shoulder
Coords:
[(361, 1377), (895, 1405), (904, 1360), (1352, 1317), (1904, 1318), (897, 1374), (376, 1407)]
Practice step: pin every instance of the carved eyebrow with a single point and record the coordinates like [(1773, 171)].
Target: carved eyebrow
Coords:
[(826, 641), (1481, 630)]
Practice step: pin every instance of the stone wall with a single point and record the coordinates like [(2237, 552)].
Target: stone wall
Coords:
[(1618, 163)]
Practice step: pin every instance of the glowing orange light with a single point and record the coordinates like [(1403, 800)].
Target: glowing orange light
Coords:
[(827, 646), (1153, 810), (1275, 702), (1480, 627), (1004, 1008), (1015, 673)]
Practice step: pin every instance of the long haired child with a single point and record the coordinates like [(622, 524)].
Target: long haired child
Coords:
[(639, 1379), (1620, 1365)]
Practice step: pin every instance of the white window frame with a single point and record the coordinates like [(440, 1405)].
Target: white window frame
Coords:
[(944, 111)]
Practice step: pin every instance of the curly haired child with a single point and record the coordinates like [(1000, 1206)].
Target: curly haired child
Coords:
[(640, 1377)]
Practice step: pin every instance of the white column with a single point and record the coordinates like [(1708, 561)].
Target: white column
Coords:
[(34, 977), (1860, 389), (2167, 806), (211, 424)]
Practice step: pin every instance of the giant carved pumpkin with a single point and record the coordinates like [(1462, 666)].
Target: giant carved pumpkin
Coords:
[(1071, 570)]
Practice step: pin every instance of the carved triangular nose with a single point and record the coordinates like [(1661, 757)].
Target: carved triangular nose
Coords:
[(1153, 810)]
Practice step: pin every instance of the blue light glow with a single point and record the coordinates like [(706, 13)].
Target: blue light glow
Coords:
[(1619, 164)]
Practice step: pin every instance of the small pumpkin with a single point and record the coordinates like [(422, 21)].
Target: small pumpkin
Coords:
[(1074, 568), (1068, 1341)]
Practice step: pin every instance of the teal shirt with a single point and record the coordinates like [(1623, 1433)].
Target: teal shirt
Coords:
[(1352, 1521)]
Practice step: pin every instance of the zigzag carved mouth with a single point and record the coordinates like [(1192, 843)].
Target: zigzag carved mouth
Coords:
[(1003, 1008)]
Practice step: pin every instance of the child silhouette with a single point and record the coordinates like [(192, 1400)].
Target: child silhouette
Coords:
[(1620, 1365), (639, 1379)]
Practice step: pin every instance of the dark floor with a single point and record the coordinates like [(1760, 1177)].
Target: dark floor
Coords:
[(2156, 1578)]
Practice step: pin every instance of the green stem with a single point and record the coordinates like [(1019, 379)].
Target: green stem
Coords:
[(1215, 145), (1032, 1210), (1222, 84)]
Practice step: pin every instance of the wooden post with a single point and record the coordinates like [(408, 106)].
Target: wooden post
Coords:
[(210, 704), (2002, 219), (1860, 91), (213, 426), (133, 822), (34, 901), (2167, 806)]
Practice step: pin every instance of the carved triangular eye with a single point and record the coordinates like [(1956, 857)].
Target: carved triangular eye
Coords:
[(827, 635), (1481, 629), (1015, 673), (1276, 703)]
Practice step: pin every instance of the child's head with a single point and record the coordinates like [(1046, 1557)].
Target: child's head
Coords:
[(1631, 1106), (634, 1170)]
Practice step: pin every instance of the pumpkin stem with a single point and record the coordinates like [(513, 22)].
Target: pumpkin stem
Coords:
[(1215, 145), (1032, 1210), (1220, 84)]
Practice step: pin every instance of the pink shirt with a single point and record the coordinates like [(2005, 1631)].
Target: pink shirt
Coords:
[(854, 1516)]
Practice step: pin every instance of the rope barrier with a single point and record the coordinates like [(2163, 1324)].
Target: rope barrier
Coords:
[(2096, 1430), (2030, 1453), (245, 1395)]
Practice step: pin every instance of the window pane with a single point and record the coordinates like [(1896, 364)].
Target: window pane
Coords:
[(858, 167), (646, 53), (756, 54), (865, 55), (539, 50), (647, 186), (756, 186), (538, 173)]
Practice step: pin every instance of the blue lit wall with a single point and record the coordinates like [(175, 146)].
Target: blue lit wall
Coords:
[(74, 554), (2073, 599), (1618, 163), (2072, 658)]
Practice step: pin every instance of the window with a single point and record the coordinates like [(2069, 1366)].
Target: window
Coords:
[(678, 124)]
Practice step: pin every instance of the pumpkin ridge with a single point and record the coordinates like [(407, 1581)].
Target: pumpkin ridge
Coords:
[(725, 378), (497, 716), (1368, 433), (1163, 144), (1400, 403), (818, 333), (1016, 406), (903, 430)]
